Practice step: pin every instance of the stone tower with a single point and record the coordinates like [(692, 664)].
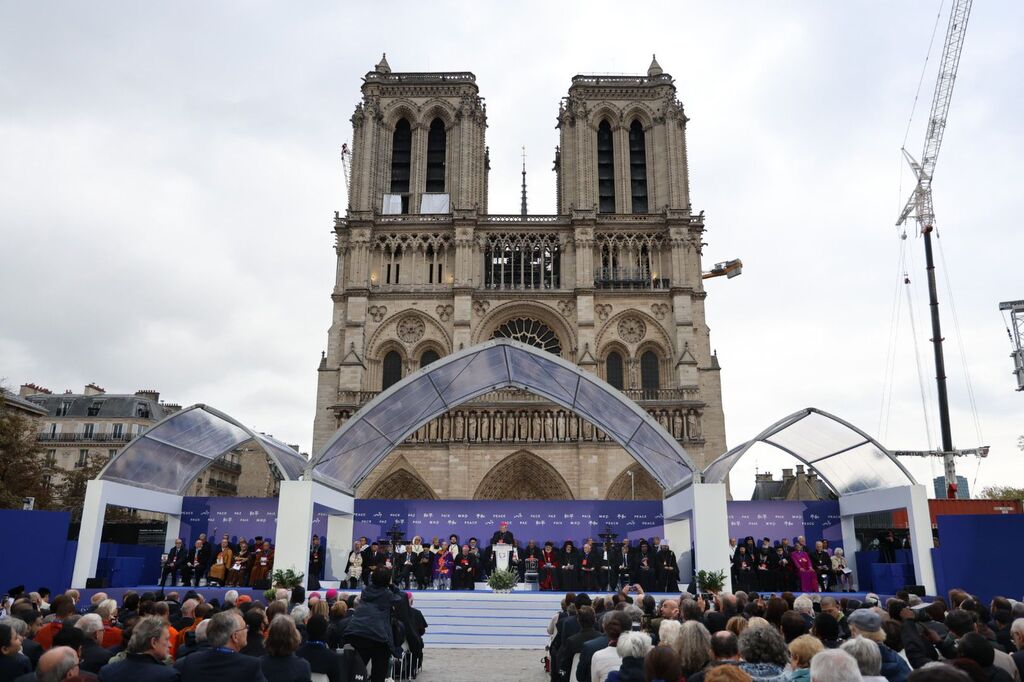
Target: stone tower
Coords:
[(612, 281)]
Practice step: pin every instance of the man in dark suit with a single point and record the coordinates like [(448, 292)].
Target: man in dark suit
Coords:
[(368, 551), (174, 563), (574, 644), (227, 636), (204, 557), (150, 645), (94, 656), (466, 570), (616, 623)]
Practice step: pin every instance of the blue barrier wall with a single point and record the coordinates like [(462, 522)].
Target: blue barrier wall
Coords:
[(981, 554), (33, 549)]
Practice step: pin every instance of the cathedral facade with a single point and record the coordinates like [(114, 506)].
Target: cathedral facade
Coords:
[(612, 282)]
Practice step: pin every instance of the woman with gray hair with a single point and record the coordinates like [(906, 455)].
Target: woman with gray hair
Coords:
[(868, 658), (834, 665), (694, 647), (632, 647), (764, 654)]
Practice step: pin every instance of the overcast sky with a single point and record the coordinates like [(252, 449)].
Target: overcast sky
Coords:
[(169, 172)]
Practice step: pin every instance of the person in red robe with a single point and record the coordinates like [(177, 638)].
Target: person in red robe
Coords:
[(804, 569), (548, 566)]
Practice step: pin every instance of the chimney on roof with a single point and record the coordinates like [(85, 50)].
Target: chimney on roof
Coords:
[(93, 389), (766, 476), (32, 389), (787, 474), (170, 407), (799, 469), (148, 393)]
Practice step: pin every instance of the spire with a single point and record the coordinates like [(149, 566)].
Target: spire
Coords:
[(522, 208), (382, 65), (655, 68)]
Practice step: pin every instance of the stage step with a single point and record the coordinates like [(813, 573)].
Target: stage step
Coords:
[(485, 619)]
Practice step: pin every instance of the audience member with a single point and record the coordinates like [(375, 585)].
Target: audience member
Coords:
[(834, 665), (149, 646), (764, 653), (226, 635), (13, 663), (865, 652), (632, 647), (801, 651), (94, 656), (280, 664)]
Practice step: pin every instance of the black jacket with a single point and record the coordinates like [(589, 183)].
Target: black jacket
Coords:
[(372, 618), (176, 557), (213, 664), (572, 646), (139, 667), (94, 656), (289, 668), (322, 660)]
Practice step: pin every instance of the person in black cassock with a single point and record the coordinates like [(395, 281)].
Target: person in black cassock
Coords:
[(668, 569), (590, 565), (764, 567), (743, 568), (503, 534), (642, 567), (465, 571), (822, 564), (568, 569), (316, 563), (887, 548)]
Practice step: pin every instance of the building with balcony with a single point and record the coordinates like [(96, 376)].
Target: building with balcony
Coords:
[(611, 281)]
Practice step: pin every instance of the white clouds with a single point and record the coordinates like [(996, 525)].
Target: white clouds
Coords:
[(169, 175)]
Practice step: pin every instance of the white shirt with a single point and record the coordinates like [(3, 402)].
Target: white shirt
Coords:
[(603, 662)]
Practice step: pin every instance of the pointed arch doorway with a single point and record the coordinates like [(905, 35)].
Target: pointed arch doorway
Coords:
[(523, 476)]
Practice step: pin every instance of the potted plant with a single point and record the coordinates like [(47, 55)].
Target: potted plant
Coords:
[(288, 579), (502, 581), (270, 594), (710, 581)]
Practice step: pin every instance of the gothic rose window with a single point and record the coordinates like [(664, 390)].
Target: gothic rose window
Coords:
[(531, 332)]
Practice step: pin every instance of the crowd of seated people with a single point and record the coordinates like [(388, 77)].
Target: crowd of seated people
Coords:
[(782, 565), (156, 636), (630, 636), (243, 563)]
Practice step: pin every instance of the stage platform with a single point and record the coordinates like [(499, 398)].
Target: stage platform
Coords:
[(456, 619)]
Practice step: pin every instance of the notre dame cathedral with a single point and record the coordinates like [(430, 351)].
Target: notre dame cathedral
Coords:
[(611, 282)]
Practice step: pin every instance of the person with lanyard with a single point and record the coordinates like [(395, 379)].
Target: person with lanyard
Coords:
[(322, 660), (226, 635), (548, 567), (280, 664)]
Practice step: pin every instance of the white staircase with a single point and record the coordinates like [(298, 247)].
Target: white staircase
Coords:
[(485, 619)]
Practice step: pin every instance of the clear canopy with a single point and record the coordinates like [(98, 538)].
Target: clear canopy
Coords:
[(170, 454), (383, 423), (847, 459)]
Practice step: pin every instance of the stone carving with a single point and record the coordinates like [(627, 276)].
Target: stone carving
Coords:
[(377, 312), (410, 328), (632, 329), (445, 312), (567, 308), (692, 425), (480, 307), (660, 310), (603, 310)]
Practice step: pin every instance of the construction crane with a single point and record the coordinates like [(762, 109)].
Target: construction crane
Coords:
[(729, 268), (1015, 328), (346, 163), (920, 206)]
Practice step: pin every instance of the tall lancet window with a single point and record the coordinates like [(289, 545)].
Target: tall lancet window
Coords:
[(638, 167), (605, 168), (613, 369), (391, 370), (401, 161), (436, 142)]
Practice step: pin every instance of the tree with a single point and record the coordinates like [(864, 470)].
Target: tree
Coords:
[(1002, 492), (71, 489), (21, 460)]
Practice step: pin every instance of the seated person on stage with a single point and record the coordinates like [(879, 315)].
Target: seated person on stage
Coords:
[(668, 569), (643, 567), (624, 564), (238, 575), (822, 563), (568, 571), (223, 561), (424, 565), (604, 570), (174, 563), (590, 562), (548, 567), (354, 567), (262, 567), (467, 568), (194, 568), (743, 569), (841, 571), (444, 565), (808, 579), (405, 566)]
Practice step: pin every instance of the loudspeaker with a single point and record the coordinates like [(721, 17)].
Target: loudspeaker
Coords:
[(914, 589), (101, 583)]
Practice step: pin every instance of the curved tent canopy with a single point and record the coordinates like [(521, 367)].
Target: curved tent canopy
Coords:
[(847, 459), (387, 420), (169, 455)]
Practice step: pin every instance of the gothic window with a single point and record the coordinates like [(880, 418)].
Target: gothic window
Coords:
[(629, 262), (638, 167), (522, 261), (435, 156), (428, 357), (650, 374), (392, 370), (605, 168), (531, 332), (613, 369), (393, 269), (401, 161)]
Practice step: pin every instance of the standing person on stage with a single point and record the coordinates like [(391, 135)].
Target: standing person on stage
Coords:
[(354, 567), (238, 576), (503, 534), (548, 567), (224, 560), (668, 569), (643, 567), (174, 564), (568, 571), (590, 564), (316, 563), (467, 568), (262, 567)]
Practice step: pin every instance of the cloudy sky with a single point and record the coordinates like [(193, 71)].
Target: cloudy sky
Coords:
[(169, 172)]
